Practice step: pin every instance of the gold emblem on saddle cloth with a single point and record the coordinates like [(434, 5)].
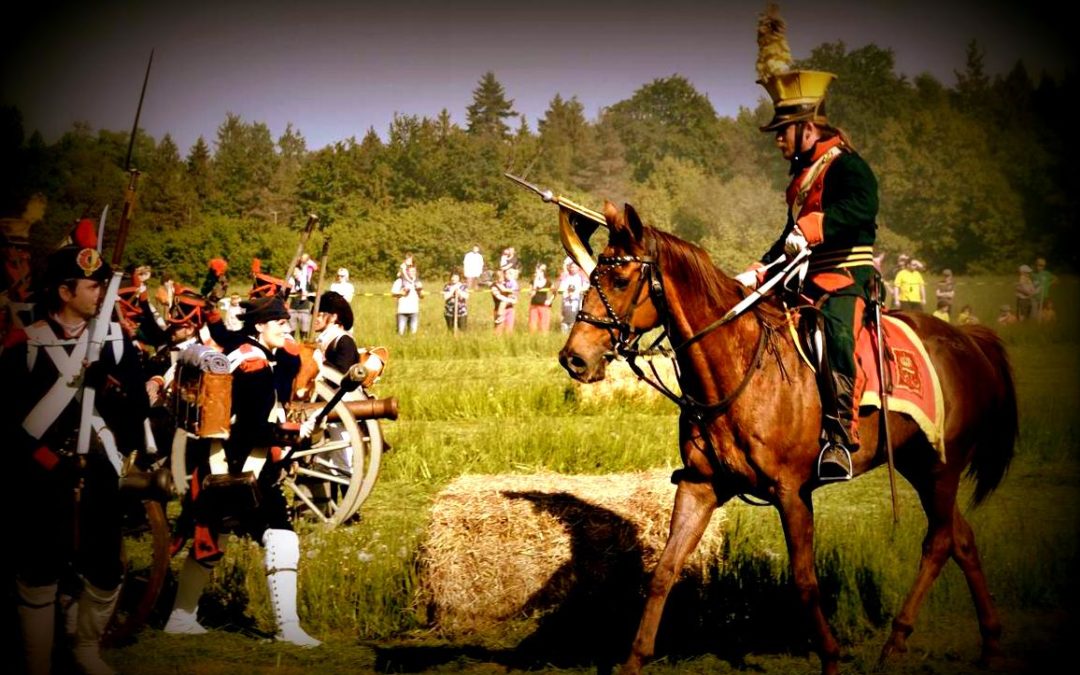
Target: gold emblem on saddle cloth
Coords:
[(907, 371)]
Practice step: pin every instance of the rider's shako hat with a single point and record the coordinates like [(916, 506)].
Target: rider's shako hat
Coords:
[(797, 95)]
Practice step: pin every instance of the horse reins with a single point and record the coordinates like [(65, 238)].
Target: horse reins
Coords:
[(624, 336)]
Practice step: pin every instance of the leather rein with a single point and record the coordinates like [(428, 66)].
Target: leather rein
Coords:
[(625, 337)]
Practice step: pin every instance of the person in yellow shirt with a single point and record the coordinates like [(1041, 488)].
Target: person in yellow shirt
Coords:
[(942, 311), (910, 287)]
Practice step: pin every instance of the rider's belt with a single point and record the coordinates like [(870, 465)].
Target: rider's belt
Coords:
[(856, 256)]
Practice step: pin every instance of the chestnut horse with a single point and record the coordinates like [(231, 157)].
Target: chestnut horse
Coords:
[(751, 417)]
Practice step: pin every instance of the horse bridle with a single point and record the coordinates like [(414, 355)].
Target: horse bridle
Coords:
[(625, 338)]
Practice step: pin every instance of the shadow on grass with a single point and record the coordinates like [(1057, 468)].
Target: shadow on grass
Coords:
[(589, 608)]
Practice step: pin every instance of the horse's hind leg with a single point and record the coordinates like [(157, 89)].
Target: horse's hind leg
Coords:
[(966, 556), (938, 499), (694, 505)]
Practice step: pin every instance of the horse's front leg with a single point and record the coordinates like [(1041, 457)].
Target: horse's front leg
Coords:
[(694, 505), (797, 515)]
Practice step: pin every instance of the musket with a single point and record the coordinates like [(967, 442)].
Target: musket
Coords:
[(323, 257), (304, 236), (574, 236), (99, 325)]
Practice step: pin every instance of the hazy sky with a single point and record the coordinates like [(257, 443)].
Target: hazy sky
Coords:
[(335, 68)]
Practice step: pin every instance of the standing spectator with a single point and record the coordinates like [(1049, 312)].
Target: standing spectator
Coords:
[(910, 287), (299, 302), (504, 294), (1025, 294), (308, 267), (1043, 280), (967, 316), (406, 289), (472, 267), (509, 260), (406, 263), (540, 304), (901, 265), (571, 287), (233, 318), (456, 303), (945, 291), (342, 286)]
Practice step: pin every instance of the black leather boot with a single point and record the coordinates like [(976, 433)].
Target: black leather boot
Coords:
[(839, 432)]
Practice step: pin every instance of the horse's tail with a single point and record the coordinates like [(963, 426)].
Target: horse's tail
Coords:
[(1000, 426)]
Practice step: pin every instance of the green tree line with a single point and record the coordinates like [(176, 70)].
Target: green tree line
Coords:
[(975, 177)]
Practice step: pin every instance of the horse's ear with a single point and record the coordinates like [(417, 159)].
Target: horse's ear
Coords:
[(612, 216), (634, 222)]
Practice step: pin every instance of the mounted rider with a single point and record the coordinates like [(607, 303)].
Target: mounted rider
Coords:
[(832, 204)]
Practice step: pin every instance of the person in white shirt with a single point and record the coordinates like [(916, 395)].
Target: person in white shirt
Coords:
[(472, 267), (406, 289), (342, 286)]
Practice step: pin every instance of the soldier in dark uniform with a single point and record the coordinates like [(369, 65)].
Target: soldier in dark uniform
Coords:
[(832, 205), (70, 511), (263, 366)]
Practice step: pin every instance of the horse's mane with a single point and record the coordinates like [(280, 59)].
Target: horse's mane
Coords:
[(703, 279)]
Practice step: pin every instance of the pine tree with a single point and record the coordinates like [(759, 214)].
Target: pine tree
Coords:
[(490, 108)]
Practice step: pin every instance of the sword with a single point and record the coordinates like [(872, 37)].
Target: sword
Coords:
[(883, 395), (101, 228), (763, 289)]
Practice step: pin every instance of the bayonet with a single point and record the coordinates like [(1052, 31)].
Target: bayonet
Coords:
[(552, 198)]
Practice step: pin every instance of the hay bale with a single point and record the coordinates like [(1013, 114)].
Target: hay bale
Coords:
[(620, 381), (514, 546)]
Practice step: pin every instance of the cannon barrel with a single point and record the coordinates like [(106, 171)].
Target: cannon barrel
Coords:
[(372, 409)]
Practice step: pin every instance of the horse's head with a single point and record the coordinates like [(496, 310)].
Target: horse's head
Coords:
[(623, 300)]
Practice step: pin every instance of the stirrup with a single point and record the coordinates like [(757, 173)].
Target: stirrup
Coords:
[(834, 463)]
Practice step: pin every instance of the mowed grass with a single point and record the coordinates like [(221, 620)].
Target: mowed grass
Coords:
[(484, 404)]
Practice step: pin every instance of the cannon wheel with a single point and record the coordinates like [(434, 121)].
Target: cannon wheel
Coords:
[(330, 480), (145, 555)]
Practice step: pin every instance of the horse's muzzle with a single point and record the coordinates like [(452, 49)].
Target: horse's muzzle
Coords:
[(579, 367)]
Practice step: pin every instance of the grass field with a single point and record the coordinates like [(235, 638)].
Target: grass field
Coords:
[(477, 403)]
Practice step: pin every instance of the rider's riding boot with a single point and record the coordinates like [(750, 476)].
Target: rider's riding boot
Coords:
[(37, 618), (282, 557), (193, 578), (840, 433), (95, 609)]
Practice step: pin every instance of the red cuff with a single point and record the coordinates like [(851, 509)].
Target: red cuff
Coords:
[(46, 458), (813, 227)]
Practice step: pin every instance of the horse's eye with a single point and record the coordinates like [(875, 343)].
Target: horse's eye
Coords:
[(621, 283)]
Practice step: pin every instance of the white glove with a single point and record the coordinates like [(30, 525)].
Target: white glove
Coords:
[(794, 243), (308, 427), (748, 278)]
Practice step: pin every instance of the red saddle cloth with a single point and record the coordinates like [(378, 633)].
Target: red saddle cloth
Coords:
[(916, 389)]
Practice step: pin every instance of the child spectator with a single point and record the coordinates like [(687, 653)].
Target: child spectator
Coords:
[(942, 311), (967, 317)]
